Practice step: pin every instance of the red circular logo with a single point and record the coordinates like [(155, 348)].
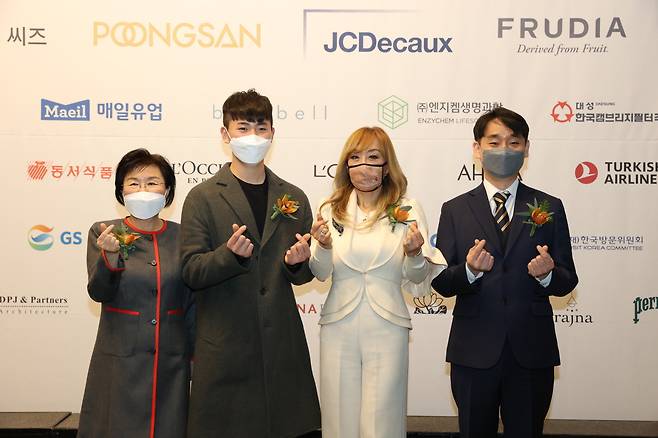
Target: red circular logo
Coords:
[(586, 172), (562, 112)]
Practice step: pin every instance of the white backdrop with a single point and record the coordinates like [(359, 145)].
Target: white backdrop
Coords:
[(582, 73)]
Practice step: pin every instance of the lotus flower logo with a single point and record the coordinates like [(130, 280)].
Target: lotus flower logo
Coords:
[(430, 304)]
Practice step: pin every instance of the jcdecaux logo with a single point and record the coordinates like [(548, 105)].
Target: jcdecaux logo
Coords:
[(365, 42)]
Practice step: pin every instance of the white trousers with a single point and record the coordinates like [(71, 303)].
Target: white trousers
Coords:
[(364, 364)]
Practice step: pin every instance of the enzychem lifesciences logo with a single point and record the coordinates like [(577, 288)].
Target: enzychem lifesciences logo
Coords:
[(586, 172), (39, 237), (562, 112), (393, 112)]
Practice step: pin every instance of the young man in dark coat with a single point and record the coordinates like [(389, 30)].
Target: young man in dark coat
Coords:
[(244, 242)]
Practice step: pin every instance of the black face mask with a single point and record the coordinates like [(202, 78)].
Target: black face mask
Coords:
[(381, 166)]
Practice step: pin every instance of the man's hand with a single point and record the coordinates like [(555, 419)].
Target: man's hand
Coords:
[(479, 259), (540, 266), (300, 251), (238, 243)]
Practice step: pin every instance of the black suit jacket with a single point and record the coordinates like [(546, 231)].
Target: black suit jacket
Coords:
[(506, 302)]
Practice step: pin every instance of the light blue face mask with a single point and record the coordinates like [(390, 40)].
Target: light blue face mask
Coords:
[(502, 162)]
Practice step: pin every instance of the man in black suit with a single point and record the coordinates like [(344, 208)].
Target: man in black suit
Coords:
[(502, 267)]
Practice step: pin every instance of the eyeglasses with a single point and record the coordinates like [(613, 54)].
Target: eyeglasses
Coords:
[(150, 185)]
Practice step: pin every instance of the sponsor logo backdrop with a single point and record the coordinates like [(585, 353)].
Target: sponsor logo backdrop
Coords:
[(82, 88)]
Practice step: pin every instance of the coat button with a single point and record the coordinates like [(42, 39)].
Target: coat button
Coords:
[(154, 321), (263, 290), (153, 263)]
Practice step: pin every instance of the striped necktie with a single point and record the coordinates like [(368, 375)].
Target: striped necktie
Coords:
[(500, 216)]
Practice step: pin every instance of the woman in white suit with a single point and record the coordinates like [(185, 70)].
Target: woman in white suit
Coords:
[(372, 242)]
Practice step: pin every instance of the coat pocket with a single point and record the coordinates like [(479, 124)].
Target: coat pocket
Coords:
[(117, 332), (173, 339)]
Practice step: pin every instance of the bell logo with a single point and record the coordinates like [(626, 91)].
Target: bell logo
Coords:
[(562, 112), (586, 172)]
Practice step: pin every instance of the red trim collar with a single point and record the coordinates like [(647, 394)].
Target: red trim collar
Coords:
[(134, 228)]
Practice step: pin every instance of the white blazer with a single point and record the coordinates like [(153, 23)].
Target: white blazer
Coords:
[(381, 275)]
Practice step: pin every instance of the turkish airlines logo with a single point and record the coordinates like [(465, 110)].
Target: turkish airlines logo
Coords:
[(562, 112), (586, 172)]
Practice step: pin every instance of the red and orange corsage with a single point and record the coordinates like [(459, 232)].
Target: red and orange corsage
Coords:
[(398, 214), (285, 206), (126, 240), (538, 214)]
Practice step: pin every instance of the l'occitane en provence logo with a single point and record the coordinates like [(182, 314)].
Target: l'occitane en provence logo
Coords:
[(182, 35)]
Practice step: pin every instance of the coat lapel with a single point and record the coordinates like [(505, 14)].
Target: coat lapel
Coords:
[(343, 243), (235, 198), (479, 204), (389, 241), (275, 190), (523, 196)]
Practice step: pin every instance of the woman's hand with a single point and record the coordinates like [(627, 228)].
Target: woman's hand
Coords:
[(413, 241), (320, 232), (107, 241)]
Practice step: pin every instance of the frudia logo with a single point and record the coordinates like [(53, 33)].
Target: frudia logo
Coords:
[(642, 305), (369, 42), (51, 110)]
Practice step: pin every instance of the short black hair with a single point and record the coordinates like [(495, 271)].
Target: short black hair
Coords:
[(247, 105), (139, 159), (507, 117)]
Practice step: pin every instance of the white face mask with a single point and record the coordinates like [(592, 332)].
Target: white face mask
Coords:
[(250, 149), (144, 205)]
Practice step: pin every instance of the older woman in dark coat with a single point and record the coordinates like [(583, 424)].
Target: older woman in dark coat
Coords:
[(138, 381)]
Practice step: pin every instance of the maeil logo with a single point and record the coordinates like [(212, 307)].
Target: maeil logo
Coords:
[(76, 111), (586, 172)]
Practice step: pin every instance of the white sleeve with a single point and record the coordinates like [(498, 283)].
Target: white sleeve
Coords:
[(321, 261), (435, 262)]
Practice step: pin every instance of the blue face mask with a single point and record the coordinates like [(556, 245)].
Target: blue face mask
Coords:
[(502, 162)]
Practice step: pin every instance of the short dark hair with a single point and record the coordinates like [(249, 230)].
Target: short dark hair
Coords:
[(139, 159), (507, 117), (247, 105)]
